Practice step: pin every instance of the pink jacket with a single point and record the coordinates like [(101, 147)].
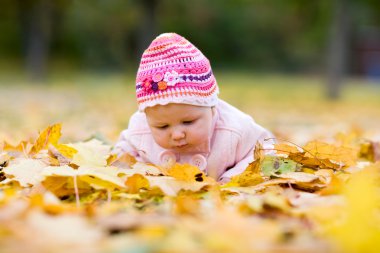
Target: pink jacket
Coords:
[(228, 153)]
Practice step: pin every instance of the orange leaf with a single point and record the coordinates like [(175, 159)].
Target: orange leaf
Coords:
[(136, 182), (343, 156), (286, 149)]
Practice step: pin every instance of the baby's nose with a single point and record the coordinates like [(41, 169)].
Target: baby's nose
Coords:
[(178, 134)]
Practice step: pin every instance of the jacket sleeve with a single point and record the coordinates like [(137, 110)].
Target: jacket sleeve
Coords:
[(245, 149), (123, 145)]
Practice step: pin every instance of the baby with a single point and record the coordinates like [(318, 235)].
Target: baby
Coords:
[(180, 117)]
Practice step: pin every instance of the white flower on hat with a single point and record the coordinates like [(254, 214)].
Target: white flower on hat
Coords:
[(171, 78)]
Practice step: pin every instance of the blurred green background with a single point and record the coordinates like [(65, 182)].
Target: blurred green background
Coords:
[(303, 69)]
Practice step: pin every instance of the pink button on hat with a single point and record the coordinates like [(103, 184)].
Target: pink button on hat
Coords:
[(172, 70)]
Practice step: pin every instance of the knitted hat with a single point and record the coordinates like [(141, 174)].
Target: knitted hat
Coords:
[(172, 70)]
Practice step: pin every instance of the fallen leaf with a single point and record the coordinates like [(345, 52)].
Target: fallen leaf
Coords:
[(187, 173), (252, 174), (136, 182), (343, 156), (48, 136), (90, 153), (273, 165), (26, 171)]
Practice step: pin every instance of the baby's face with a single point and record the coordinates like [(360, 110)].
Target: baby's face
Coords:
[(180, 127)]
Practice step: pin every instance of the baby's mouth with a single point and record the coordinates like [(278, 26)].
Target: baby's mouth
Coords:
[(181, 146)]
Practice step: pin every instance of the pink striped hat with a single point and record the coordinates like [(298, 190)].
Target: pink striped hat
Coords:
[(172, 70)]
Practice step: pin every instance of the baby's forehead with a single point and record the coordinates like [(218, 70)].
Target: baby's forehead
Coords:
[(175, 111)]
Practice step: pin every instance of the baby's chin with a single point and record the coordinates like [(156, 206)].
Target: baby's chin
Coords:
[(187, 148), (183, 148)]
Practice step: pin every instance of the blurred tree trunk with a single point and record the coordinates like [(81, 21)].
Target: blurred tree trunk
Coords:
[(148, 25), (36, 26), (337, 51)]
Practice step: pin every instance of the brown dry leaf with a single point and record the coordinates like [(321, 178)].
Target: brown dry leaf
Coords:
[(136, 182), (48, 136)]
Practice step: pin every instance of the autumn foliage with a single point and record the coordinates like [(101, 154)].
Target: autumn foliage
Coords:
[(319, 197)]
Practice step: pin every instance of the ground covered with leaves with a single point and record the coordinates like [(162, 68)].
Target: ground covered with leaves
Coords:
[(317, 198), (63, 189)]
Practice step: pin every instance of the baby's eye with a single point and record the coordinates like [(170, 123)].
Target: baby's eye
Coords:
[(162, 127), (188, 122)]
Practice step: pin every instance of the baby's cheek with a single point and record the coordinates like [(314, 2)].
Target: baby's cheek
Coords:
[(159, 138), (201, 135)]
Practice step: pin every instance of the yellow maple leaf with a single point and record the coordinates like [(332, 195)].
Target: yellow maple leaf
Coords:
[(66, 150), (186, 172), (25, 171), (252, 174), (245, 179), (136, 182), (340, 155), (97, 177), (90, 153), (48, 136)]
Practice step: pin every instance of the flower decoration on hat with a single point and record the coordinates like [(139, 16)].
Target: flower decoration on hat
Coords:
[(172, 78), (158, 76), (160, 81), (162, 85), (146, 85)]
